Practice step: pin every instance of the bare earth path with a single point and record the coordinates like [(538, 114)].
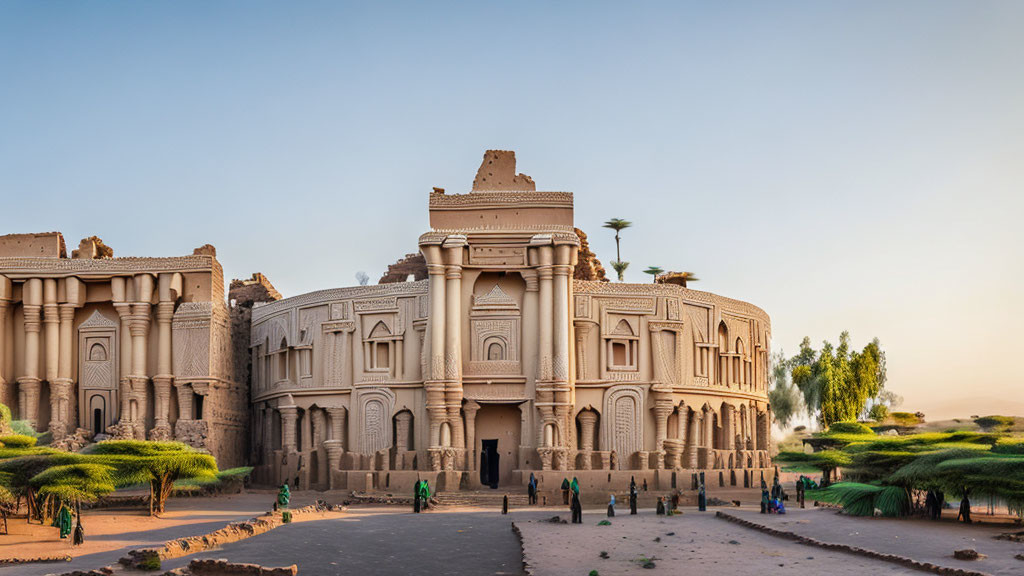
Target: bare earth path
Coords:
[(919, 539), (694, 543)]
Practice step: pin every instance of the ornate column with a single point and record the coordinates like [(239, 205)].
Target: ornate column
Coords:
[(51, 326), (289, 416), (729, 427), (28, 384), (582, 333), (61, 401), (470, 410), (434, 376), (184, 390), (334, 453), (5, 301), (453, 246), (662, 410), (164, 378), (543, 252), (588, 420), (693, 440), (752, 425), (120, 288)]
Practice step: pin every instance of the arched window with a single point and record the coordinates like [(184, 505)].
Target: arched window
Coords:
[(378, 348), (495, 349), (97, 353)]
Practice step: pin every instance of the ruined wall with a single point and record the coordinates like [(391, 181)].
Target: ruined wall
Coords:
[(413, 264)]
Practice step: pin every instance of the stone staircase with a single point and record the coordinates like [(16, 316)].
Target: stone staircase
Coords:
[(482, 498)]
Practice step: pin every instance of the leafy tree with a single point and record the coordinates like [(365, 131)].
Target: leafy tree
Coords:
[(879, 412), (654, 271), (838, 383), (783, 396), (158, 463), (618, 225)]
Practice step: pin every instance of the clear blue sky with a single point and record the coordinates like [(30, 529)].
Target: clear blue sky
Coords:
[(844, 165)]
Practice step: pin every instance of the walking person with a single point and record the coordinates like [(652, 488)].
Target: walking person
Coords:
[(632, 497), (531, 490), (611, 506), (577, 509)]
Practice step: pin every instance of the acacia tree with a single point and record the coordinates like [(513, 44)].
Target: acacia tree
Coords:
[(158, 463), (654, 271), (618, 224)]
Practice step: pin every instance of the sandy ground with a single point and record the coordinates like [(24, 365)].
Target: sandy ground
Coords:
[(118, 529), (919, 539), (694, 543)]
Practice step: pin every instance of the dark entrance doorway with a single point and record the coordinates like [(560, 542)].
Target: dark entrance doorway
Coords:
[(489, 457)]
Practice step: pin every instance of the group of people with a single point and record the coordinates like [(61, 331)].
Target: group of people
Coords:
[(772, 502), (803, 484)]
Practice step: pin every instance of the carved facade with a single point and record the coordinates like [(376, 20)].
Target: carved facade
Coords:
[(128, 347), (499, 362)]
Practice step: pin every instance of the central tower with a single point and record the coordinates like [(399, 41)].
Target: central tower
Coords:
[(500, 261)]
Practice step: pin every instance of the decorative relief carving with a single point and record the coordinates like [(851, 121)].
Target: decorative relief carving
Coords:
[(582, 306), (339, 311), (622, 424), (497, 255), (672, 308), (375, 407), (261, 311), (375, 304), (192, 334)]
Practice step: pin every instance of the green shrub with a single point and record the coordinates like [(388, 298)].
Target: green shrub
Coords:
[(850, 428), (1009, 446), (906, 418), (995, 422), (24, 428), (18, 441), (5, 416), (150, 562), (879, 412)]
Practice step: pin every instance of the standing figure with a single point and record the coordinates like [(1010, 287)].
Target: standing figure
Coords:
[(577, 509), (675, 501), (965, 509), (660, 509), (531, 489), (63, 521), (929, 504), (765, 497), (611, 506), (632, 497), (645, 484), (504, 504), (565, 491), (940, 503), (284, 496), (416, 498), (702, 497), (425, 494)]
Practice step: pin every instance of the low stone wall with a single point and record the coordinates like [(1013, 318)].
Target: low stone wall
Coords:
[(893, 558), (221, 567)]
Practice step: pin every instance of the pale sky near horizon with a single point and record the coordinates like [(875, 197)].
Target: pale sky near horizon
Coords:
[(843, 165)]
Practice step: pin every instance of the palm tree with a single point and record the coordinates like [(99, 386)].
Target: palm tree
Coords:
[(618, 224), (619, 267), (654, 271)]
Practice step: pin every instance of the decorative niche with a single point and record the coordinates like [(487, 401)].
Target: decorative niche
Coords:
[(494, 331)]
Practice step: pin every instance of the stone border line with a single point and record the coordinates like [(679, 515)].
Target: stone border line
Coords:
[(527, 568), (40, 560), (891, 558)]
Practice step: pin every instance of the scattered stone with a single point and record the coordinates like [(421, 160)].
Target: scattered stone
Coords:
[(556, 520), (968, 554), (733, 542), (670, 534), (1011, 536), (1019, 556), (658, 539), (603, 554)]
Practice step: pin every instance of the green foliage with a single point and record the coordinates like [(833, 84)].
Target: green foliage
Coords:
[(995, 422), (879, 412), (18, 441), (23, 428), (1009, 446), (850, 428), (150, 563), (836, 382), (73, 482), (823, 460), (604, 523), (618, 224), (654, 271), (783, 396), (859, 499), (906, 418), (5, 416), (620, 268)]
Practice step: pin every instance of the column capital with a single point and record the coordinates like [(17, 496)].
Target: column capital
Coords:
[(470, 407), (530, 276), (165, 311)]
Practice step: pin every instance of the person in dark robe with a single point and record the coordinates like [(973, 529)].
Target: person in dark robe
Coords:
[(78, 538), (611, 506), (416, 498), (645, 484), (577, 509), (675, 501), (660, 510), (504, 504), (929, 504), (764, 495), (565, 491), (940, 503), (702, 497), (632, 497), (531, 489), (965, 509)]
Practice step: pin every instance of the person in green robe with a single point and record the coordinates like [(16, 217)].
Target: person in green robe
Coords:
[(63, 521), (284, 496), (575, 486), (425, 494)]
